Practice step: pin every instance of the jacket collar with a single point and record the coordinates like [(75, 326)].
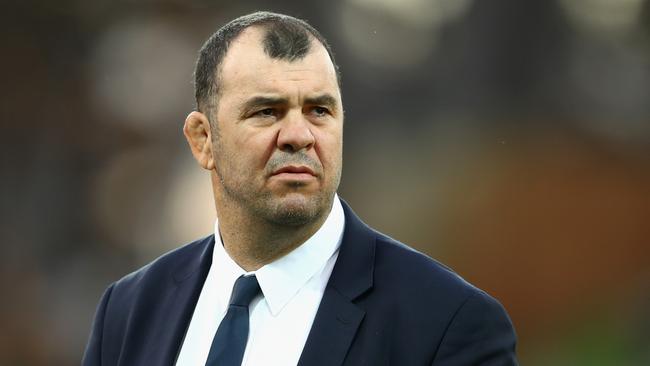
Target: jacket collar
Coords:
[(188, 276), (353, 272), (338, 317)]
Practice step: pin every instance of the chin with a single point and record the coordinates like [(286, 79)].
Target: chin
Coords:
[(297, 209)]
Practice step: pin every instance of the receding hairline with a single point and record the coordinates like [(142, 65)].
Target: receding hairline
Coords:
[(207, 73), (258, 32), (257, 35)]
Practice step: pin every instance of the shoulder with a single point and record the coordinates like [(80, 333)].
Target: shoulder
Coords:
[(397, 270), (144, 299), (412, 296), (415, 277), (174, 266), (433, 299), (402, 262)]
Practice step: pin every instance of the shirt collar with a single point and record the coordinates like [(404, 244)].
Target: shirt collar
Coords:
[(283, 278)]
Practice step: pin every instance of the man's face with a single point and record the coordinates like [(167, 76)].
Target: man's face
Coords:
[(279, 143)]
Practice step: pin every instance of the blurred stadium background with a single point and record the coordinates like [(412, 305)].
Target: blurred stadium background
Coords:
[(509, 139)]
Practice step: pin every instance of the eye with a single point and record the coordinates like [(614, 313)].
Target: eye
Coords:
[(266, 112), (320, 111)]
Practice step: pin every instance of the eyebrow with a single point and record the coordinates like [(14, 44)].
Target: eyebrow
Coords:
[(324, 100), (262, 101), (259, 101)]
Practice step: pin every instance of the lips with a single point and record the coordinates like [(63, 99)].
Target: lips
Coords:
[(291, 169)]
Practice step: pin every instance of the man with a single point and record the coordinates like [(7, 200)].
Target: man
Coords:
[(291, 276)]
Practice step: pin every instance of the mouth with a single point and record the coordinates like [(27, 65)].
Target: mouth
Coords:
[(295, 175), (294, 170)]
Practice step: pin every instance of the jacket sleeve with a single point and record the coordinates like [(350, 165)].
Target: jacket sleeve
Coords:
[(479, 334), (93, 353)]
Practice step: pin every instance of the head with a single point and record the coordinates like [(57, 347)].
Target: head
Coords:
[(269, 119)]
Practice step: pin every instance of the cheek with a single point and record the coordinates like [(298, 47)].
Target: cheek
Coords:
[(256, 147), (329, 148)]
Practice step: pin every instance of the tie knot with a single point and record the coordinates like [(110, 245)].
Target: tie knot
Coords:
[(245, 289)]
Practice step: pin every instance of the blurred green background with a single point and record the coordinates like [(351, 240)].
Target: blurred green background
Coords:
[(508, 139)]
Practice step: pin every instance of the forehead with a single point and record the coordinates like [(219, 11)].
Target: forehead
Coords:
[(246, 68)]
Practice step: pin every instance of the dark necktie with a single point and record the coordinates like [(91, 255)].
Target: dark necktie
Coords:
[(229, 342)]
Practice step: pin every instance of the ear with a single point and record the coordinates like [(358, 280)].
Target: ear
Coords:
[(198, 135)]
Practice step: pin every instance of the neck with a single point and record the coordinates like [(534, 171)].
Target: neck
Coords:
[(254, 245)]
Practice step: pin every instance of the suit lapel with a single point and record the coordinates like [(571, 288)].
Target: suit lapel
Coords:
[(338, 317), (178, 303), (334, 328)]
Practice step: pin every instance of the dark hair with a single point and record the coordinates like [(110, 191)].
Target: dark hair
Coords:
[(286, 38)]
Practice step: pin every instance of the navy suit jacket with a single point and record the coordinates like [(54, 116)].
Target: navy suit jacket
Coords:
[(385, 304)]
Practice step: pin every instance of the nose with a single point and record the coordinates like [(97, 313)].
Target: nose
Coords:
[(295, 133)]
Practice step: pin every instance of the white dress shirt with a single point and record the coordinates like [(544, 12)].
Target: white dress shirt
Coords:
[(280, 317)]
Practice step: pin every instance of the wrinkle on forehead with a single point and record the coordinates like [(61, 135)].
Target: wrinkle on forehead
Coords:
[(248, 81), (297, 70)]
